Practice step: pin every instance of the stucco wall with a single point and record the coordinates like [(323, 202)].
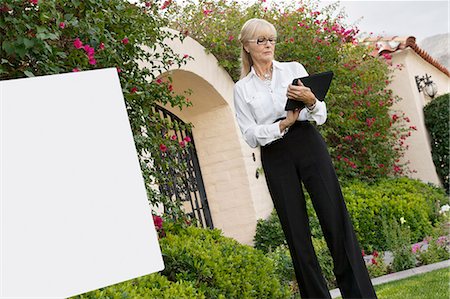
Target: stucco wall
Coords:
[(412, 103)]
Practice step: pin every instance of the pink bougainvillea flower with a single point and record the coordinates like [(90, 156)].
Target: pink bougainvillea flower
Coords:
[(102, 46), (158, 221), (133, 89), (77, 43), (182, 143), (174, 137), (415, 248), (75, 70), (92, 61), (163, 148), (89, 50), (35, 2), (62, 25), (207, 12), (166, 4), (187, 139), (125, 41), (230, 38), (118, 70)]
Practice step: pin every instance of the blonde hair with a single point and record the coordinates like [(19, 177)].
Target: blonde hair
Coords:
[(249, 31)]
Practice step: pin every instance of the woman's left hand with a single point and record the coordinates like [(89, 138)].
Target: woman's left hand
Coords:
[(301, 93)]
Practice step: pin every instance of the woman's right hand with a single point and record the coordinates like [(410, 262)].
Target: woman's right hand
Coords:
[(291, 118)]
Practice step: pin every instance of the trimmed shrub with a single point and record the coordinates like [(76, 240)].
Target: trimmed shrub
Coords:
[(437, 122), (219, 266), (416, 202), (153, 286)]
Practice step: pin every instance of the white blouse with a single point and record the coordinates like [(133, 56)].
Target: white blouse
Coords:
[(258, 105)]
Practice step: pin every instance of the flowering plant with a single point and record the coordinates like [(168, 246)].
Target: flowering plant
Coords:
[(366, 138)]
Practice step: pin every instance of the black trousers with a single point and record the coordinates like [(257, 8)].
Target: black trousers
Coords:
[(302, 155)]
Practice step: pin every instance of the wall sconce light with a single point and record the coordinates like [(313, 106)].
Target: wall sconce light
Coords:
[(424, 83)]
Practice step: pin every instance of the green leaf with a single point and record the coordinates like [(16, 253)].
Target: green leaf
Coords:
[(28, 74)]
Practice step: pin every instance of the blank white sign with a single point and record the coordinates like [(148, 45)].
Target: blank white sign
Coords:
[(74, 210)]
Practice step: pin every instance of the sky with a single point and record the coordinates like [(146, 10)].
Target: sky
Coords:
[(420, 19)]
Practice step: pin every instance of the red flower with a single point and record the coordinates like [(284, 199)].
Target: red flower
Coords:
[(102, 46), (166, 4), (35, 2), (363, 253), (125, 41), (375, 253), (394, 117), (133, 89), (92, 61), (230, 38), (381, 165), (89, 50), (318, 57), (186, 56), (207, 12), (187, 139), (413, 128), (118, 70), (387, 56), (348, 138), (163, 148), (77, 43), (148, 4), (158, 221), (170, 87), (174, 137), (62, 25), (75, 70), (182, 143), (374, 262), (158, 81)]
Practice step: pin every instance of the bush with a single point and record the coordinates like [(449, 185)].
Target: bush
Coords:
[(219, 266), (285, 269), (437, 121), (416, 202), (398, 239), (153, 286)]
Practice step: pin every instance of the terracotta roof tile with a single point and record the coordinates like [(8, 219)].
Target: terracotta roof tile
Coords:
[(392, 44)]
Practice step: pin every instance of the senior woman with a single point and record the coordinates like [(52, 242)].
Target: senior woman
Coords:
[(292, 151)]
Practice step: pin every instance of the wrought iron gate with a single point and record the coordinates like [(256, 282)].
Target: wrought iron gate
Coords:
[(192, 190)]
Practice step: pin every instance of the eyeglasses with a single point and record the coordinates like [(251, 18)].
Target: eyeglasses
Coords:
[(264, 40)]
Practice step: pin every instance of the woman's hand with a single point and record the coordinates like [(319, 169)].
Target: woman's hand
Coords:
[(301, 93), (290, 119)]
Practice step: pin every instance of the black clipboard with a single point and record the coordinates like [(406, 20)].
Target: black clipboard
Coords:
[(319, 85)]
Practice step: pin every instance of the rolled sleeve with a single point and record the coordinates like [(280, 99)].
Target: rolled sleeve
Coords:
[(318, 114)]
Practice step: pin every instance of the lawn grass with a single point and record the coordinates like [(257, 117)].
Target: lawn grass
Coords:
[(431, 285)]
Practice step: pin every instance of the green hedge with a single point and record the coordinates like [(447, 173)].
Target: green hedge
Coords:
[(437, 121), (219, 266), (417, 202), (153, 286)]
